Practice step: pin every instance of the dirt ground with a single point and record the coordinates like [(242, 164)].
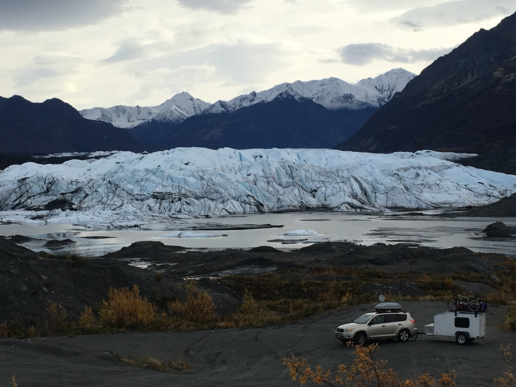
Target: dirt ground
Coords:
[(246, 357)]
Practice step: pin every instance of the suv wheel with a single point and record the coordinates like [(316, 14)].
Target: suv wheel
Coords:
[(360, 338), (404, 335)]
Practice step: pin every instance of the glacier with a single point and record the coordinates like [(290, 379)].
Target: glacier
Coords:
[(128, 189)]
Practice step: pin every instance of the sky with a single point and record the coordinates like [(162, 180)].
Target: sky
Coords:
[(142, 52)]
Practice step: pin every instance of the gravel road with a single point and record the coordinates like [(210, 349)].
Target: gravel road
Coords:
[(246, 357)]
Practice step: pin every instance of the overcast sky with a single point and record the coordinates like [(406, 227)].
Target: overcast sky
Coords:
[(135, 52)]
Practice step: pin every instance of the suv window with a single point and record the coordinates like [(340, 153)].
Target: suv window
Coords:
[(378, 320), (390, 318)]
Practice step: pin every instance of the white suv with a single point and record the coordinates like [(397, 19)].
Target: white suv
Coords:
[(388, 322)]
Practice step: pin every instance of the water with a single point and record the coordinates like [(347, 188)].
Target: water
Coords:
[(365, 229)]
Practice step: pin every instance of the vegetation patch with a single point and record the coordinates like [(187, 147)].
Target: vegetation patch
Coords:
[(366, 371), (154, 364)]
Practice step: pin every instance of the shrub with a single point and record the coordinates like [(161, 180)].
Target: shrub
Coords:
[(56, 320), (198, 307), (159, 276), (87, 321), (509, 322), (13, 380), (508, 379), (126, 308), (3, 330), (366, 371)]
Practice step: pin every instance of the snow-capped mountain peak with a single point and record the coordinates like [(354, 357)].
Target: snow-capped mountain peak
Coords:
[(388, 84), (176, 110), (332, 93), (253, 98)]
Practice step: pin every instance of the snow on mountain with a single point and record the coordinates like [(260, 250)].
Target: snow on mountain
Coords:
[(128, 187), (332, 93), (176, 110)]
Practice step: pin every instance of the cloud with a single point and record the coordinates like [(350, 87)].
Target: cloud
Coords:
[(453, 13), (364, 53), (46, 76), (127, 50), (220, 6), (52, 15), (384, 5), (243, 63)]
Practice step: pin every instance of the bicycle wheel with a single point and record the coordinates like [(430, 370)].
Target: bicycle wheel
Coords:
[(452, 304), (474, 305)]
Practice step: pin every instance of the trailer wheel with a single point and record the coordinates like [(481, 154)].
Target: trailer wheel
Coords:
[(404, 335), (461, 339)]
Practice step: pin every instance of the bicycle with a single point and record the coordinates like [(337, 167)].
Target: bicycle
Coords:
[(463, 303)]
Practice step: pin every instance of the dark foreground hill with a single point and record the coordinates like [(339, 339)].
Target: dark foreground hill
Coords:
[(53, 126), (250, 356), (285, 122), (463, 102)]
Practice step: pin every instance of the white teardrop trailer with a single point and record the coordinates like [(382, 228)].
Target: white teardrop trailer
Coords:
[(464, 326)]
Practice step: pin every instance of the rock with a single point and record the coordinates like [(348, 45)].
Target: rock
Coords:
[(19, 239), (55, 244), (476, 287), (498, 230), (264, 249), (404, 288), (60, 204), (145, 249), (494, 278)]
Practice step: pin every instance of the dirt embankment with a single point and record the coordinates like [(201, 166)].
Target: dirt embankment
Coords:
[(505, 208), (326, 272), (29, 282)]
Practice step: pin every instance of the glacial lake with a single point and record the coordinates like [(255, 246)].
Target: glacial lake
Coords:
[(396, 227)]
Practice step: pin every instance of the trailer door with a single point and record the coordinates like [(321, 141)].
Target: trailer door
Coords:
[(482, 322)]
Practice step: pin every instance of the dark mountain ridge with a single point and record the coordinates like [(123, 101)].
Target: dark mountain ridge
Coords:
[(53, 126), (464, 102), (288, 121)]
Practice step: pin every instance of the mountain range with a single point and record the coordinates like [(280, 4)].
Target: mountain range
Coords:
[(53, 126), (463, 102), (300, 114)]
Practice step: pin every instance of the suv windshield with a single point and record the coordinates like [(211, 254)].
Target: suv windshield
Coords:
[(363, 319)]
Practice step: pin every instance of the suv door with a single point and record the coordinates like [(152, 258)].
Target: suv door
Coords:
[(376, 327), (393, 324)]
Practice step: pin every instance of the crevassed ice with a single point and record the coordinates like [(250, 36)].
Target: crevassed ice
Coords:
[(200, 182)]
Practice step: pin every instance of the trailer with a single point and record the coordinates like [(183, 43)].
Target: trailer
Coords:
[(464, 326)]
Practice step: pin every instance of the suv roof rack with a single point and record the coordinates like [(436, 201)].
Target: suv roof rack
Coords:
[(388, 307)]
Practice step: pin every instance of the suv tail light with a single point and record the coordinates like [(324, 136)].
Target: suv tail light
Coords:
[(413, 321)]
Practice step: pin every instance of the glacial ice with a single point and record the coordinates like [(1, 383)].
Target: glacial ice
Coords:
[(301, 233), (191, 234), (128, 189)]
